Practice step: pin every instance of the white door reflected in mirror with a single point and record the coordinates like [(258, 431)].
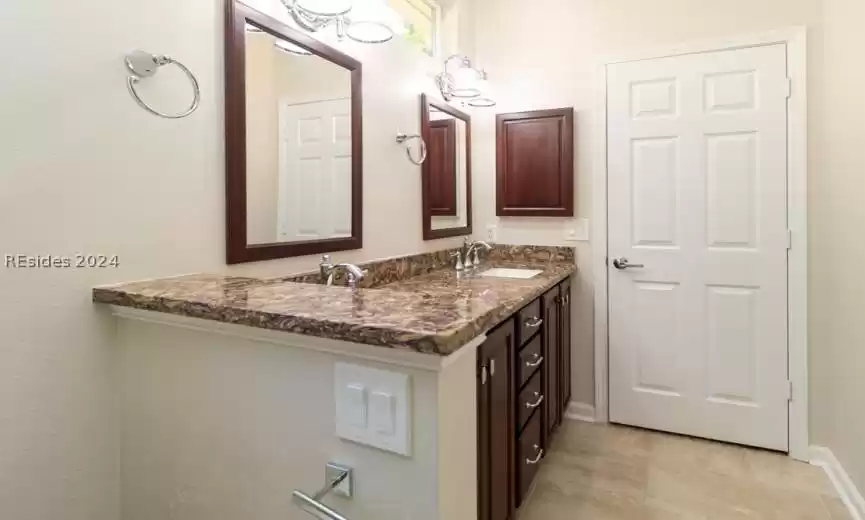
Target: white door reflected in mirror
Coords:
[(299, 146)]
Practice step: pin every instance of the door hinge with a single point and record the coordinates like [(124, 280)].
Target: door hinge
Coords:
[(492, 367), (789, 390), (484, 375), (789, 88), (789, 239)]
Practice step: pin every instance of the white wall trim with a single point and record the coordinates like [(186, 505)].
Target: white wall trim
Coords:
[(386, 355), (795, 40), (850, 495), (580, 412)]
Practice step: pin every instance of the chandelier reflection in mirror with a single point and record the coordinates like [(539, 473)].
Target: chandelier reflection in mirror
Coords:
[(364, 21), (460, 80)]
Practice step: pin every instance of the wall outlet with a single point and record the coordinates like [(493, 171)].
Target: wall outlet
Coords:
[(577, 230), (492, 233)]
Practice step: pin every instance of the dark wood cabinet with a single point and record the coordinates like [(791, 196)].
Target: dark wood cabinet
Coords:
[(535, 163), (565, 339), (495, 425), (523, 390), (552, 353), (443, 173)]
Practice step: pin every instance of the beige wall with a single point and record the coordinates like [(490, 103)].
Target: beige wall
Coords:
[(836, 189), (553, 65), (85, 169)]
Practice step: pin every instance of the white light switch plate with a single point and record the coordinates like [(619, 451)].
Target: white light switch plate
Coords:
[(577, 230), (386, 407)]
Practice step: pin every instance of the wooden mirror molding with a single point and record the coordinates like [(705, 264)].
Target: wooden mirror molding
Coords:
[(238, 248), (443, 188)]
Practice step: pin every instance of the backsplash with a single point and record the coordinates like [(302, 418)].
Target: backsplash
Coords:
[(383, 272)]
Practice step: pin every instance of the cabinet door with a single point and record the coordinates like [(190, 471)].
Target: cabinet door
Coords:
[(565, 340), (496, 425), (443, 173), (552, 358), (535, 163)]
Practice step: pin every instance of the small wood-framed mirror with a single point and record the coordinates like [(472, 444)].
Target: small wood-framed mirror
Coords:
[(447, 179), (293, 141)]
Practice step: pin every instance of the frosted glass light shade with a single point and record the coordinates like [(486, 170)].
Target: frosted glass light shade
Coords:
[(325, 7), (369, 32), (372, 21), (465, 83)]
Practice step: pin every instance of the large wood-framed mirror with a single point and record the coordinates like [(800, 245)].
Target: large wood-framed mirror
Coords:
[(293, 141), (447, 179)]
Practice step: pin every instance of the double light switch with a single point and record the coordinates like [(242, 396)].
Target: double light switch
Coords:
[(372, 407)]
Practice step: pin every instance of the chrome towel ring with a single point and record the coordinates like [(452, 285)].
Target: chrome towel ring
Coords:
[(403, 139), (144, 65)]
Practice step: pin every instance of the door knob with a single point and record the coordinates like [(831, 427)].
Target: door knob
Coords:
[(621, 263)]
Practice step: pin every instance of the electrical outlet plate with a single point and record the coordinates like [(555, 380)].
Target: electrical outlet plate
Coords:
[(492, 232)]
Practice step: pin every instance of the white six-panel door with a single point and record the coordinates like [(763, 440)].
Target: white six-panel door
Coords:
[(697, 155), (315, 170)]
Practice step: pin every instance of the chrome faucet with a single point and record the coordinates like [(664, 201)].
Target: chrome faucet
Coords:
[(353, 273), (472, 246)]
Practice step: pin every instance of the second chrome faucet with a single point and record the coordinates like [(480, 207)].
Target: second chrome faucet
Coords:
[(468, 257), (327, 269)]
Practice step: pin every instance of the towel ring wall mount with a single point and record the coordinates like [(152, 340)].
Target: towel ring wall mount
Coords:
[(404, 139), (144, 65)]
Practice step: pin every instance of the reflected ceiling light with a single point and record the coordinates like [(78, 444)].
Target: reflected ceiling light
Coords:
[(291, 48), (463, 81), (364, 21), (325, 7)]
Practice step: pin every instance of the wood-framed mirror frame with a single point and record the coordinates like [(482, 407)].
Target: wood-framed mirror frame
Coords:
[(428, 232), (237, 248)]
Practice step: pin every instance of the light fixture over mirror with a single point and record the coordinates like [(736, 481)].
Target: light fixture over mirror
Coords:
[(460, 80), (364, 21)]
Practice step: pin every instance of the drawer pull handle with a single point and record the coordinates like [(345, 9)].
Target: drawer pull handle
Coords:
[(538, 458), (532, 406), (533, 322), (538, 360)]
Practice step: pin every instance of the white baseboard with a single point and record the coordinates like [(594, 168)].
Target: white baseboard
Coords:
[(581, 412), (852, 497)]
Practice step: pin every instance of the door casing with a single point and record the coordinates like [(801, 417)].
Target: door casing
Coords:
[(797, 288)]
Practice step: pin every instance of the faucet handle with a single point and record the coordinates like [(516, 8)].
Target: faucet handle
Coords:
[(325, 259)]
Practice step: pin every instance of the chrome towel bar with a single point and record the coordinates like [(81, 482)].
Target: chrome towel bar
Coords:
[(339, 480)]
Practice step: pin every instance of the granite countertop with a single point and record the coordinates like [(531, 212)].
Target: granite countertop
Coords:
[(436, 312)]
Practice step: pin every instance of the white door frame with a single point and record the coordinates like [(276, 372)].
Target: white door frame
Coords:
[(797, 221)]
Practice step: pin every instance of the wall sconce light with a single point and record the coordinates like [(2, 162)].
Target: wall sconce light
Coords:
[(463, 82), (364, 21)]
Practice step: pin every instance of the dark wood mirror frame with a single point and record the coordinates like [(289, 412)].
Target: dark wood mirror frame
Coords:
[(237, 249), (428, 232)]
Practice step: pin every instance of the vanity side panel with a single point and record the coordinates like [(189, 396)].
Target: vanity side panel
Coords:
[(457, 434), (221, 427)]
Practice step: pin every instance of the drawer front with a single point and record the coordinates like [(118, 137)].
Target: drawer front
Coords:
[(529, 456), (529, 321), (530, 399), (531, 359)]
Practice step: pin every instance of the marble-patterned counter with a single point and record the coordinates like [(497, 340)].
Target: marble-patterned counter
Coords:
[(415, 303)]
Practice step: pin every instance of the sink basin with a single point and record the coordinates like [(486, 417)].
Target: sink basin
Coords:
[(521, 274)]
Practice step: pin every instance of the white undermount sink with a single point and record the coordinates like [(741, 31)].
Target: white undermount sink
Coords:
[(501, 272)]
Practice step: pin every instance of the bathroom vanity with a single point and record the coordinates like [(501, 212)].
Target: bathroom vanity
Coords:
[(221, 371)]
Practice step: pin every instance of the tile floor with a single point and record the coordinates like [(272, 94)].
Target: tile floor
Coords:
[(604, 472)]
